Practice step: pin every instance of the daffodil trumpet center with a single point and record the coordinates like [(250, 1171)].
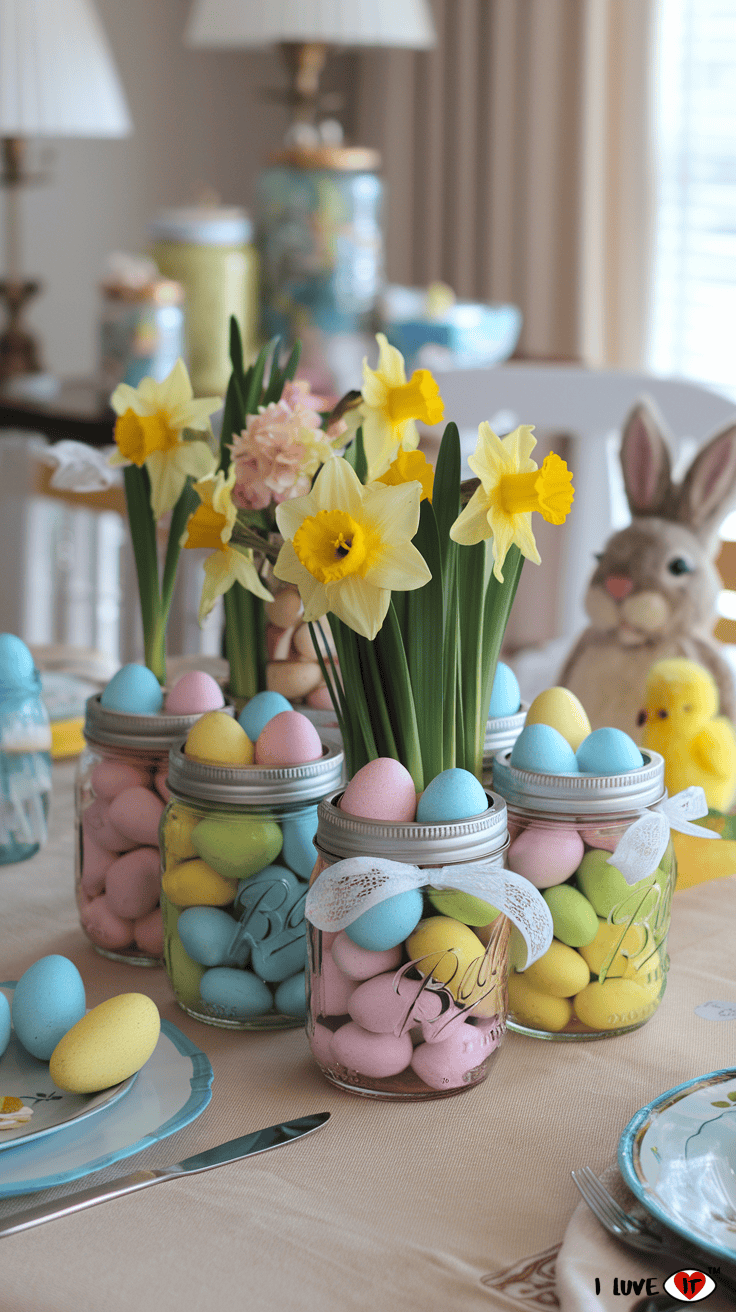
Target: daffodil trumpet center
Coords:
[(547, 490), (137, 436), (205, 529), (417, 399), (332, 545)]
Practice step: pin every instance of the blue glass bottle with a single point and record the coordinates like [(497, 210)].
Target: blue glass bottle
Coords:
[(25, 754)]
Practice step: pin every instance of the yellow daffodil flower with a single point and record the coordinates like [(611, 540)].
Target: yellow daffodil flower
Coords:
[(347, 547), (211, 527), (390, 405), (410, 467), (150, 428), (511, 487)]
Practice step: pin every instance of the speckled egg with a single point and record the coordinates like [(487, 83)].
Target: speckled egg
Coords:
[(288, 739), (616, 1003), (48, 1000), (543, 749), (536, 1009), (220, 740), (608, 751), (257, 712), (452, 795), (109, 1044), (546, 856), (237, 848), (5, 1025), (561, 710), (505, 693), (381, 790), (193, 694), (386, 925), (561, 971), (135, 690)]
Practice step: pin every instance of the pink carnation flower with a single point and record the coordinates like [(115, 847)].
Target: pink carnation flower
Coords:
[(281, 448)]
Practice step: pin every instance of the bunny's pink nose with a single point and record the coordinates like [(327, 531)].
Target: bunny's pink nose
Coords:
[(618, 586)]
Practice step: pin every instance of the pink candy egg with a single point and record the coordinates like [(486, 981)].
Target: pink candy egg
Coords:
[(321, 1044), (381, 790), (149, 933), (136, 814), (194, 693), (161, 788), (320, 699), (97, 825), (361, 963), (546, 856), (378, 1055), (133, 884), (445, 1065), (604, 838), (109, 778), (288, 739), (331, 989), (95, 862), (378, 1006), (105, 928)]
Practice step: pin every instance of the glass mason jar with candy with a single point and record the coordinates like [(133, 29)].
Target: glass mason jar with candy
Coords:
[(582, 831), (237, 851)]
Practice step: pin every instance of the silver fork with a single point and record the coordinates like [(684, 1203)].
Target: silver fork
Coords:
[(648, 1238)]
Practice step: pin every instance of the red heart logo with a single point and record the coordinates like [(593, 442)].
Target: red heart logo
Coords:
[(689, 1283)]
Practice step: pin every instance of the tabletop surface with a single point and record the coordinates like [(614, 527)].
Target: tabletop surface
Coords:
[(454, 1203)]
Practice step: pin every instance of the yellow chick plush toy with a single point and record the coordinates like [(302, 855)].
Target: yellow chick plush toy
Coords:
[(681, 722)]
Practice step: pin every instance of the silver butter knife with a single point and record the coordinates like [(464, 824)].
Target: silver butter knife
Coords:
[(247, 1146)]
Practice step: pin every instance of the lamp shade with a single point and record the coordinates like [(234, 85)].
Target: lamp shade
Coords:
[(404, 23), (57, 75)]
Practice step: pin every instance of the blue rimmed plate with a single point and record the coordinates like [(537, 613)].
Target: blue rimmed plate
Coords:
[(678, 1156), (170, 1091)]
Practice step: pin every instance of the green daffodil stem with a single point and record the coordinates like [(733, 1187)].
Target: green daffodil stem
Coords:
[(498, 602), (245, 642), (143, 539)]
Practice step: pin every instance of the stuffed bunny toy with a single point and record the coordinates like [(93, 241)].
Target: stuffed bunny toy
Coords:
[(654, 590)]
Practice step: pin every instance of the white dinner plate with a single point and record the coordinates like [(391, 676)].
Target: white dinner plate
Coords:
[(172, 1089), (678, 1155)]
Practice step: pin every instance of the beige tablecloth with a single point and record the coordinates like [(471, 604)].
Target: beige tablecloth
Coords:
[(458, 1203)]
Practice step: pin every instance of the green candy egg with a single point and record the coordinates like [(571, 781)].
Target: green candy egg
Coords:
[(574, 918), (462, 906), (237, 849), (606, 888)]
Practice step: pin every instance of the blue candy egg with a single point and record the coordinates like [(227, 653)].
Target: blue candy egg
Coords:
[(48, 1000), (542, 749), (291, 996), (17, 668), (299, 851), (387, 924), (608, 751), (505, 693), (259, 710), (452, 795), (238, 993), (134, 690), (208, 934), (5, 1025)]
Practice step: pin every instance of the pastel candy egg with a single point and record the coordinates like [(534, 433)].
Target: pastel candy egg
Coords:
[(109, 1044), (257, 712), (542, 749), (271, 911), (176, 834), (574, 920), (194, 883), (376, 1055), (288, 739), (17, 668), (320, 1041), (48, 1000), (161, 786), (95, 864), (447, 950), (331, 989), (616, 1003), (97, 825), (320, 699), (382, 789), (207, 935), (220, 740), (238, 993), (614, 948), (604, 836), (360, 963), (133, 884), (237, 848), (447, 1065), (536, 1009), (505, 693), (104, 927), (194, 693), (285, 609), (290, 996), (462, 906), (136, 814), (384, 1005), (608, 751), (134, 690), (108, 778), (148, 932), (561, 971), (5, 1025), (606, 888), (386, 925), (561, 709), (298, 850), (546, 856), (452, 795)]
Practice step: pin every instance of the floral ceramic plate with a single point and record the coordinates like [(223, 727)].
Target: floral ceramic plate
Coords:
[(678, 1156)]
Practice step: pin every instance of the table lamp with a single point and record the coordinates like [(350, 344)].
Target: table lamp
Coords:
[(57, 79)]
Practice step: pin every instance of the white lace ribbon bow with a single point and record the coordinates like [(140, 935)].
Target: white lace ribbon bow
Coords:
[(641, 848), (348, 888)]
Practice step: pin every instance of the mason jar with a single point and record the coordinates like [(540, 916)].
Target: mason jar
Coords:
[(606, 969), (120, 793), (501, 732), (237, 851), (408, 933)]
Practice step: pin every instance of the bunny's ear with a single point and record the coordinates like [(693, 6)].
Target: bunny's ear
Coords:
[(645, 462), (708, 489)]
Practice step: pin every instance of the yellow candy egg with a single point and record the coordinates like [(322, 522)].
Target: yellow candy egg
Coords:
[(195, 884), (613, 948), (560, 709), (177, 834), (107, 1045), (448, 950), (220, 740), (615, 1003), (539, 1011), (561, 971)]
